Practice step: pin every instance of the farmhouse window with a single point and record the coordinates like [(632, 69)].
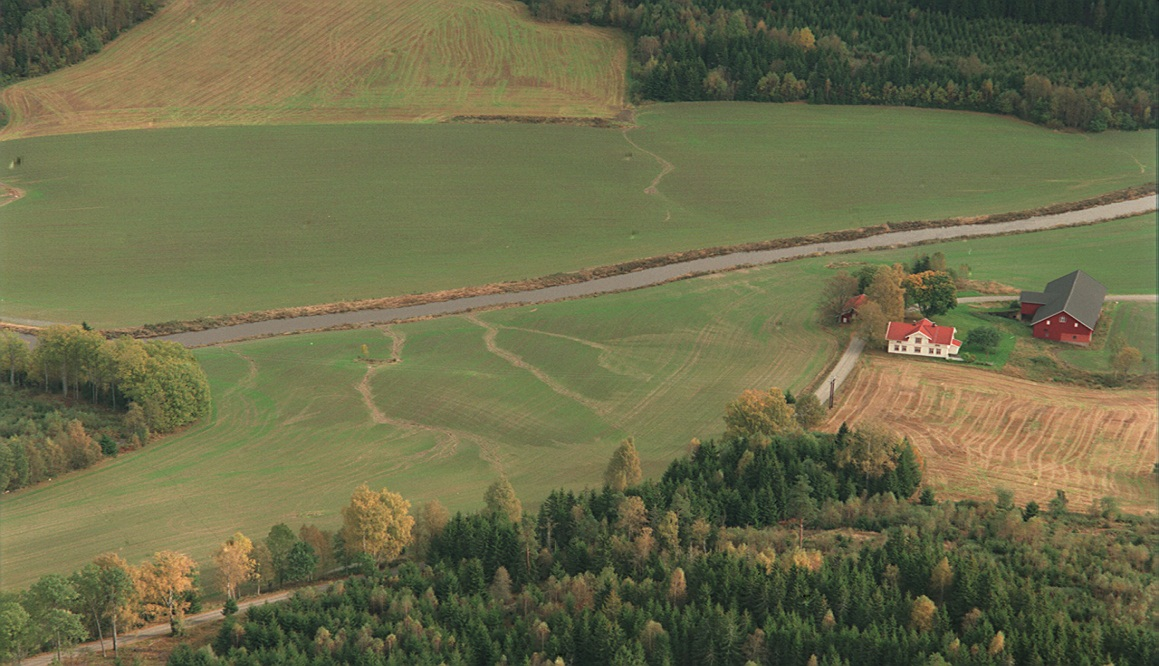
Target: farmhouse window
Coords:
[(904, 348), (1062, 319)]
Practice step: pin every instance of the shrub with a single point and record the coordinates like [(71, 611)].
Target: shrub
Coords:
[(983, 337)]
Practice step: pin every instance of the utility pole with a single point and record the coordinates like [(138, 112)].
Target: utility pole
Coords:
[(832, 388)]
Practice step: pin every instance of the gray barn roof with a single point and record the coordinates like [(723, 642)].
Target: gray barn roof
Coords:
[(1077, 294)]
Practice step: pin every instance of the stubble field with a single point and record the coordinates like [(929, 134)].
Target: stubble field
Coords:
[(218, 62), (978, 430)]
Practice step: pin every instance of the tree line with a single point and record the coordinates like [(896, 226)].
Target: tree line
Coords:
[(709, 564), (1064, 64), (124, 389)]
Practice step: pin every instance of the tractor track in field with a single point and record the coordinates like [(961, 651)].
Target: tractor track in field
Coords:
[(489, 335), (666, 167), (447, 440)]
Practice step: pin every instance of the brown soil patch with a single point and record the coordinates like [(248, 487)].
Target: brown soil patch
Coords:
[(8, 194), (205, 323), (977, 430), (988, 287)]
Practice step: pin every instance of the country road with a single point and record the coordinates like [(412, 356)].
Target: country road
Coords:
[(156, 630), (659, 275)]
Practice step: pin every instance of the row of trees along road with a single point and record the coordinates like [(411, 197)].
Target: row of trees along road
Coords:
[(124, 389), (1072, 63)]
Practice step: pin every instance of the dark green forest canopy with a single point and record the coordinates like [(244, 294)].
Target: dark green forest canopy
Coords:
[(39, 36), (655, 575), (1063, 63)]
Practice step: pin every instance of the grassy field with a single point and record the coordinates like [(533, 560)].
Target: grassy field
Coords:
[(1137, 324), (218, 62), (1121, 254), (542, 394), (977, 430), (124, 228)]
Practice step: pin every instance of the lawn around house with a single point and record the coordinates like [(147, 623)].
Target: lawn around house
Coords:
[(125, 228)]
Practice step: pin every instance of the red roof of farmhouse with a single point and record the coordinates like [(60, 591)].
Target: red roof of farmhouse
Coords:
[(856, 302), (941, 335)]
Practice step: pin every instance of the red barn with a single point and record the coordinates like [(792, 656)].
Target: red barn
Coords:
[(1067, 310), (851, 307)]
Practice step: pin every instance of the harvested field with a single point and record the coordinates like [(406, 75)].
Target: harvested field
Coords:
[(977, 430), (221, 62)]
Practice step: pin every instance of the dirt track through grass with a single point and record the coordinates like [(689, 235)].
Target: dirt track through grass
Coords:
[(977, 430), (313, 215)]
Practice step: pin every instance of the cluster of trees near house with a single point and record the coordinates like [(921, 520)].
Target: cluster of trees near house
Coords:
[(926, 282), (77, 396), (40, 36), (1070, 63)]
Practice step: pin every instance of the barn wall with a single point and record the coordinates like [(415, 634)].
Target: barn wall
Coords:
[(1071, 331), (1028, 309)]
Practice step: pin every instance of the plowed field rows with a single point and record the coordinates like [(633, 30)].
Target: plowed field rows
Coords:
[(222, 62), (977, 430)]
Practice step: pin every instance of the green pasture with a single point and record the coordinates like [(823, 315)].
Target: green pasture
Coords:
[(1138, 326), (123, 228), (1122, 254), (290, 435)]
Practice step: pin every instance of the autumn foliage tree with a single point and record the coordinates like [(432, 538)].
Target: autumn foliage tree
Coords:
[(377, 523), (759, 415), (624, 467), (235, 563), (871, 449), (162, 584), (887, 291), (500, 500)]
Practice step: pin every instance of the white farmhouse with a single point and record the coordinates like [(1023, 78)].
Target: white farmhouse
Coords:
[(925, 338)]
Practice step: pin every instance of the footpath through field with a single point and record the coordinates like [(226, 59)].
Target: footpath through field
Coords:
[(658, 275)]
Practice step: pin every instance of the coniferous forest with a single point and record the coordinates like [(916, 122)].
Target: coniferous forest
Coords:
[(802, 548), (39, 36), (1065, 63)]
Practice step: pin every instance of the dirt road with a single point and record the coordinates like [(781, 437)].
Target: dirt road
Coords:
[(156, 630), (659, 275)]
